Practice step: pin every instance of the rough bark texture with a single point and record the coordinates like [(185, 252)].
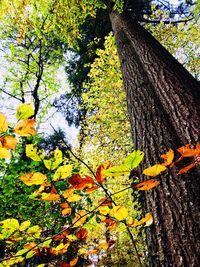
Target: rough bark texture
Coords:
[(164, 108)]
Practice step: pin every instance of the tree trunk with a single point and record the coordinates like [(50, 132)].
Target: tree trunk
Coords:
[(164, 107)]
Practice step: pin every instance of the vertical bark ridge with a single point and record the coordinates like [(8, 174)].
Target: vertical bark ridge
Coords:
[(174, 238), (178, 91)]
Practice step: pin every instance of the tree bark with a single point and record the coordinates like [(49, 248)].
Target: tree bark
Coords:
[(164, 108)]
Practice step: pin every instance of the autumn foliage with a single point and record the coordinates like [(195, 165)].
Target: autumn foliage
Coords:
[(65, 248)]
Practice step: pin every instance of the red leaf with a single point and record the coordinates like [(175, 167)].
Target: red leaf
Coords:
[(99, 175), (185, 169), (105, 202), (81, 234), (81, 183)]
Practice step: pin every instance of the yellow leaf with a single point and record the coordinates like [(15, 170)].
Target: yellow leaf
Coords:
[(41, 265), (50, 196), (119, 212), (33, 153), (24, 225), (9, 142), (168, 157), (80, 218), (104, 210), (154, 170), (4, 153), (33, 178), (25, 128), (63, 172), (62, 248), (103, 246), (12, 224), (72, 238), (24, 111), (147, 220), (35, 231), (54, 161), (74, 198), (3, 123)]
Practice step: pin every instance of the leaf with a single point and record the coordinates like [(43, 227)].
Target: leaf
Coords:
[(24, 225), (168, 157), (66, 211), (100, 177), (80, 218), (25, 128), (54, 161), (81, 234), (63, 172), (111, 224), (74, 198), (103, 246), (9, 142), (104, 210), (154, 170), (68, 192), (147, 220), (81, 183), (186, 151), (119, 212), (4, 153), (130, 163), (33, 153), (30, 254), (146, 185), (3, 123), (50, 196), (187, 168), (117, 171), (62, 248), (34, 230), (73, 262), (134, 159), (12, 224), (33, 178), (24, 111)]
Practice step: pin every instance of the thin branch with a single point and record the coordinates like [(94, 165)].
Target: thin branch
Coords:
[(13, 96)]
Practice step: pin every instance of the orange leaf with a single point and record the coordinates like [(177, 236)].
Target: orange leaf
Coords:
[(111, 224), (68, 192), (81, 234), (168, 157), (93, 251), (147, 220), (33, 178), (25, 128), (66, 211), (73, 262), (146, 185), (81, 183), (9, 142), (64, 205), (186, 151), (185, 169)]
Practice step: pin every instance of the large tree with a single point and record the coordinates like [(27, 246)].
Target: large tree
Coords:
[(163, 103)]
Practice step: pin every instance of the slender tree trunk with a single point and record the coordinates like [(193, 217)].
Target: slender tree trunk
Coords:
[(164, 107)]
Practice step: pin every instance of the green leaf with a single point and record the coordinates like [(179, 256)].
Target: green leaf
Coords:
[(134, 159)]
